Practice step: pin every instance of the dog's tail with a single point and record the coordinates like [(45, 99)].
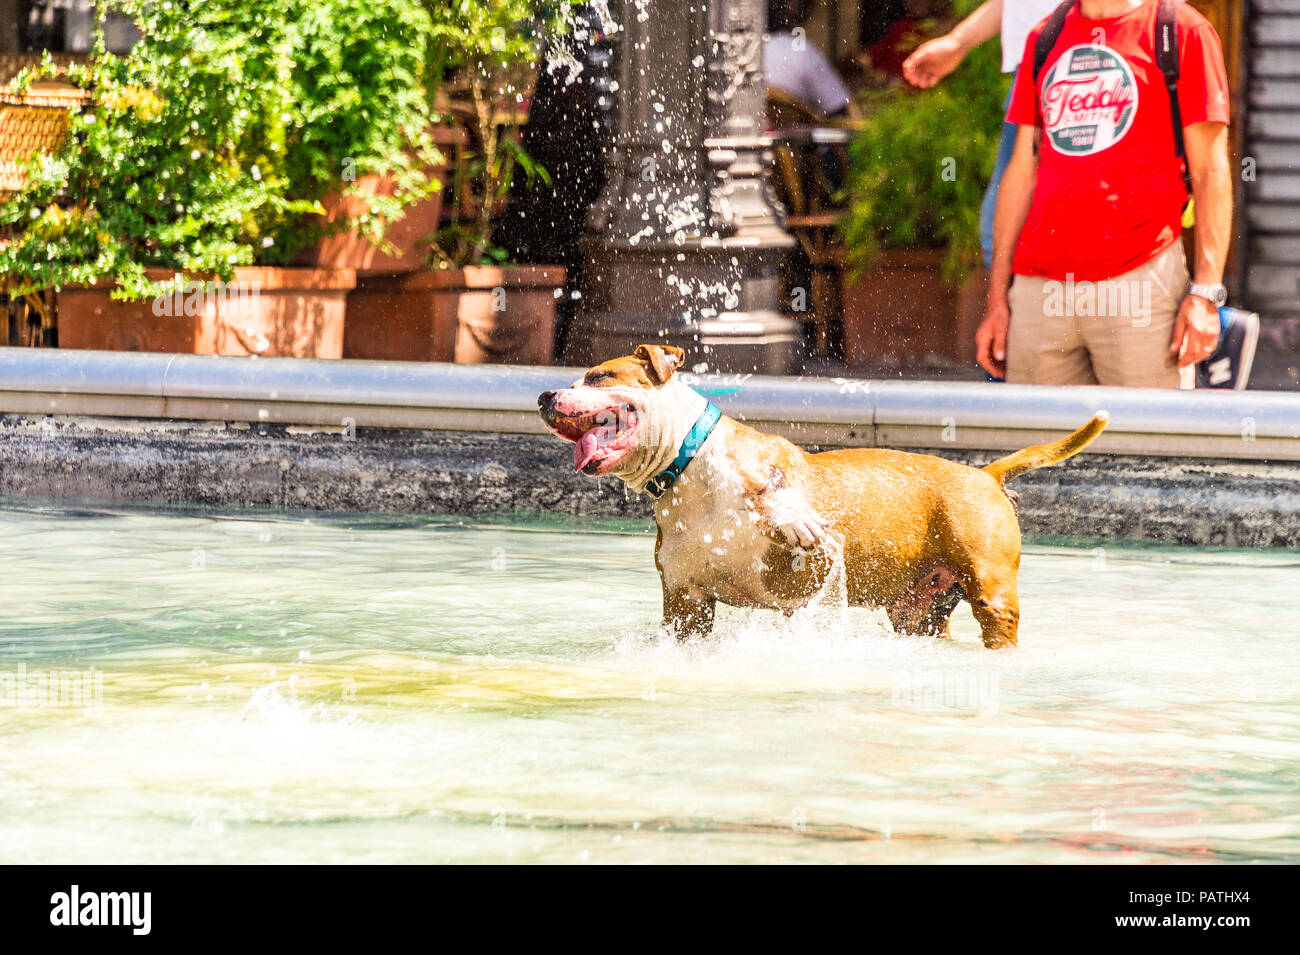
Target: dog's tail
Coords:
[(1041, 455)]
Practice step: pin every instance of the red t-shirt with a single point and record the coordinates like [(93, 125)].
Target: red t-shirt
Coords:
[(1109, 194)]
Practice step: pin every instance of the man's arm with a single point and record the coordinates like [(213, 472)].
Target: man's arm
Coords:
[(1015, 194), (1196, 329), (824, 83), (933, 60)]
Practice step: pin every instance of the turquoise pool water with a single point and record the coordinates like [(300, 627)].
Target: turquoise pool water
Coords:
[(187, 687)]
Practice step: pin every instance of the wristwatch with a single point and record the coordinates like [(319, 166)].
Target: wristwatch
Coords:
[(1215, 293)]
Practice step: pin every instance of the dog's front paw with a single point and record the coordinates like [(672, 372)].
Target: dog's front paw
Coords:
[(807, 530), (788, 512)]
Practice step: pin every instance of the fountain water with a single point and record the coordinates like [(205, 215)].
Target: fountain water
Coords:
[(684, 245)]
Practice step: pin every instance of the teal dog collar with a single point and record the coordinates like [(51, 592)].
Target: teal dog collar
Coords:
[(702, 428)]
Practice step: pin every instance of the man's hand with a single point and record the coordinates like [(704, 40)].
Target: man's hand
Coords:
[(1196, 331), (932, 61), (991, 339), (1015, 196), (1196, 328)]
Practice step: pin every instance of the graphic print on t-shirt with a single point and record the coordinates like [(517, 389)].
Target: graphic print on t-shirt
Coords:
[(1089, 99)]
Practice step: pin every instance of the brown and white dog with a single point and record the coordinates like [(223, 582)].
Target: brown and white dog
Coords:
[(753, 521)]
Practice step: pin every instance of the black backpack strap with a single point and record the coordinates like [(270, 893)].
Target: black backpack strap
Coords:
[(1047, 39), (1167, 61)]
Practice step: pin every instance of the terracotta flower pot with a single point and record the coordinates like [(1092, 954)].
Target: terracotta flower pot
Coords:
[(294, 313), (409, 235), (901, 311), (475, 315)]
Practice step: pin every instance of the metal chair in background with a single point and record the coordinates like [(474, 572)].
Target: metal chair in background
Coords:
[(807, 152)]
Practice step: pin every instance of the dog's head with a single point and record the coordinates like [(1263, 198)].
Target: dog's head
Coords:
[(624, 415)]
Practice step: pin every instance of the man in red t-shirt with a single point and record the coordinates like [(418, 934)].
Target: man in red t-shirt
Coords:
[(1088, 283)]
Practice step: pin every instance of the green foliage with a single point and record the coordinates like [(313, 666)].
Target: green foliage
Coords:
[(209, 145), (494, 34), (490, 49), (920, 166), (363, 80)]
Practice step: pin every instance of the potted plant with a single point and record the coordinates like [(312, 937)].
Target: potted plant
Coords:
[(472, 306), (918, 170), (196, 167), (360, 237), (385, 200)]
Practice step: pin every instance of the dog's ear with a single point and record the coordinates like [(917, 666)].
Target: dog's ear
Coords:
[(662, 359)]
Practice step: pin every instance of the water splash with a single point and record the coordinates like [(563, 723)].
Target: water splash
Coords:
[(601, 9), (277, 707), (560, 57), (828, 609)]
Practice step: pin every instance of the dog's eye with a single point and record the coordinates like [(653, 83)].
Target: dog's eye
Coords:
[(597, 377)]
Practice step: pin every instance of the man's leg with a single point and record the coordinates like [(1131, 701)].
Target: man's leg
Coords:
[(1133, 322), (1044, 344), (989, 206)]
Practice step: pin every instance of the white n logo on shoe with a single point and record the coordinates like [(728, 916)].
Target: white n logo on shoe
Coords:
[(1220, 371)]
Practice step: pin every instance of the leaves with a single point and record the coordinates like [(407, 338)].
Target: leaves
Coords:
[(490, 49), (920, 166), (211, 144)]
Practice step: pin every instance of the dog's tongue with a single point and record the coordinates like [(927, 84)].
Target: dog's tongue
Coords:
[(585, 448)]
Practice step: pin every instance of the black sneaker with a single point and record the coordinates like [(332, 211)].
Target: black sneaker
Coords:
[(1229, 366)]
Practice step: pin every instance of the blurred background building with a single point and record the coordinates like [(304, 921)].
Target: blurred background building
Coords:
[(864, 42)]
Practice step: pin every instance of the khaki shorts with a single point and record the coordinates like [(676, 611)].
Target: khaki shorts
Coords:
[(1112, 332)]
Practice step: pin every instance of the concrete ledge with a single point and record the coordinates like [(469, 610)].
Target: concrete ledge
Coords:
[(809, 411), (1178, 501)]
